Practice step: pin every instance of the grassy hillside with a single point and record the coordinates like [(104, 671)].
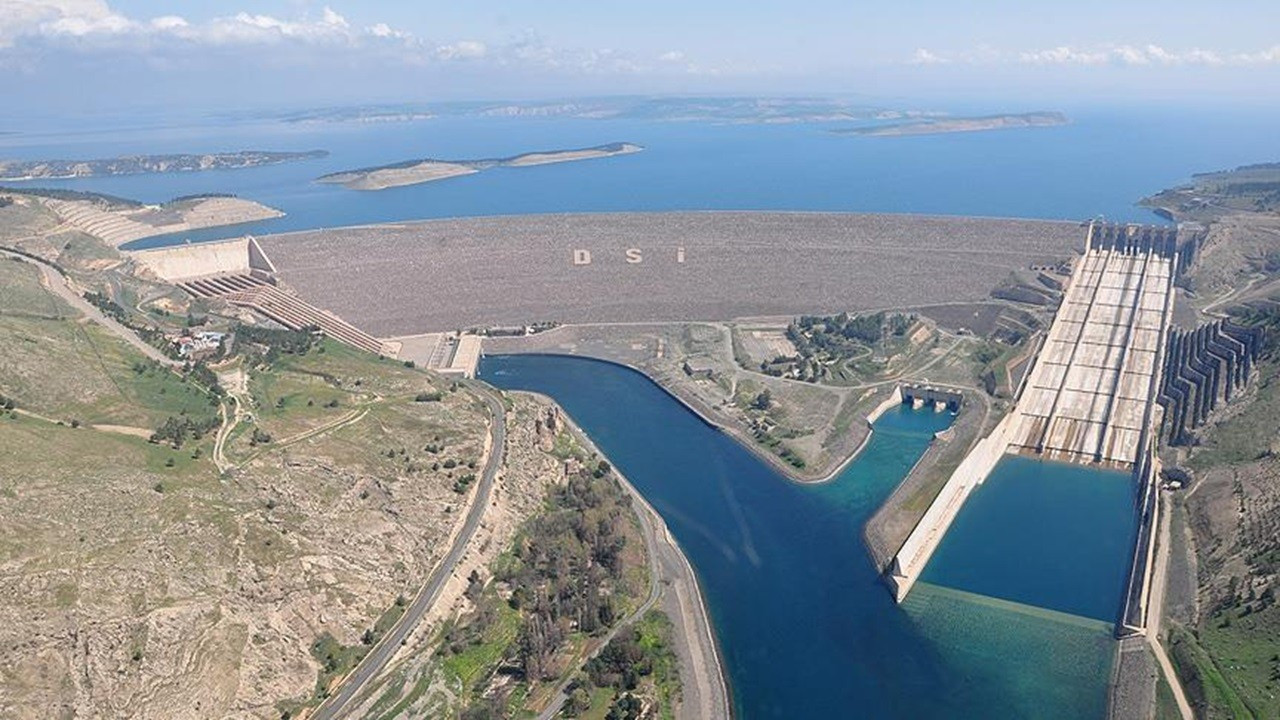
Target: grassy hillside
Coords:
[(141, 580), (1229, 656)]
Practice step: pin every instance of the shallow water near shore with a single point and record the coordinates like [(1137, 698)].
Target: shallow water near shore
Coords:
[(805, 626)]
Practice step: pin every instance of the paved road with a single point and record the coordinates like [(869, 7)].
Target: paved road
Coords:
[(1155, 611), (341, 702), (57, 284)]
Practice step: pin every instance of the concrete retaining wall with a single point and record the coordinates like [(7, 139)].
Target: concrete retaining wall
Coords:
[(893, 400), (188, 262), (928, 533)]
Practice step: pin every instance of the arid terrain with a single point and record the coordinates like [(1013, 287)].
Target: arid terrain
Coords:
[(1222, 622), (231, 539), (12, 170), (142, 582), (116, 221)]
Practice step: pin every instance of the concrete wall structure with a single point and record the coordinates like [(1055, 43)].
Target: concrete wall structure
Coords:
[(466, 357), (186, 262), (1090, 396), (928, 533), (929, 394), (442, 275), (1204, 367), (895, 398)]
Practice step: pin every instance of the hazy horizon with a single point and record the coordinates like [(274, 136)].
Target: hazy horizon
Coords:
[(142, 54)]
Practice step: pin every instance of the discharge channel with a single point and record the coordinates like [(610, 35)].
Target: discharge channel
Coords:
[(805, 626)]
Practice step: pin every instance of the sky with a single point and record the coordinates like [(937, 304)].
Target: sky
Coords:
[(98, 55)]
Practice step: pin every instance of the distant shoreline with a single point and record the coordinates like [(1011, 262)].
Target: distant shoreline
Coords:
[(942, 126), (423, 170), (29, 170)]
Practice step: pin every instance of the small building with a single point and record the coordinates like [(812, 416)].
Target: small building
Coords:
[(466, 357), (699, 369), (202, 343)]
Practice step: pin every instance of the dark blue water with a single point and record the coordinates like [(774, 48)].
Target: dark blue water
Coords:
[(805, 626), (1101, 164), (1047, 534)]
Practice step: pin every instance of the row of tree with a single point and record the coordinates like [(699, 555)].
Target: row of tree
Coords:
[(569, 568)]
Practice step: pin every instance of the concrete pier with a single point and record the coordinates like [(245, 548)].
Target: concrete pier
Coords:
[(1090, 397)]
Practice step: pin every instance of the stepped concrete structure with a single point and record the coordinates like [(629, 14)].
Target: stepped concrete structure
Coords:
[(239, 272), (1090, 397), (1089, 393), (1204, 367), (114, 228)]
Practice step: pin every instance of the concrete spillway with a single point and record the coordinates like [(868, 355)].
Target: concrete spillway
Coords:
[(1090, 396)]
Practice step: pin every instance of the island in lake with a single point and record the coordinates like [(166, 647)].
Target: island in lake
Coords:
[(935, 126), (728, 110), (18, 170), (413, 172)]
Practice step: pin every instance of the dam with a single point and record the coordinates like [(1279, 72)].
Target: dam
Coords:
[(1090, 399)]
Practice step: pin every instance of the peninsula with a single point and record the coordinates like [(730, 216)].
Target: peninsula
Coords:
[(413, 172), (938, 126), (18, 170), (1249, 189)]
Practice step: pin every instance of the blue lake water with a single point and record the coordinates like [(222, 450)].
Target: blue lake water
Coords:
[(1043, 533), (1102, 163), (806, 627)]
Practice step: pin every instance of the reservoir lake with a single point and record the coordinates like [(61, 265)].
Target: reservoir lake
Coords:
[(1101, 164)]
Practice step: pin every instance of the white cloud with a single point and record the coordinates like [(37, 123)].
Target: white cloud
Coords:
[(169, 22), (29, 27), (87, 21), (925, 57), (333, 19), (462, 50), (1129, 55), (1269, 56), (383, 30), (1148, 55), (1063, 55)]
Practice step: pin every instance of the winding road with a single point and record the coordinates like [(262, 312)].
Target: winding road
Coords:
[(376, 661), (57, 284)]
